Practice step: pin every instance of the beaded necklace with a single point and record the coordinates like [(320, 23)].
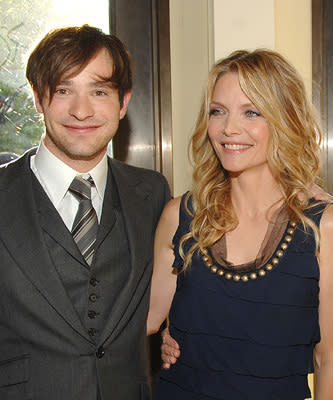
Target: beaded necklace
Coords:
[(237, 276)]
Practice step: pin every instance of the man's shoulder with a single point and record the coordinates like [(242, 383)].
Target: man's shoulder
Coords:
[(133, 172), (16, 172), (144, 181), (19, 166)]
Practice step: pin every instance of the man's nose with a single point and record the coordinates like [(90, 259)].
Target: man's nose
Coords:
[(81, 107)]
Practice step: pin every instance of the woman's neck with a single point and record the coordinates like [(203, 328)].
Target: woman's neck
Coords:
[(253, 194)]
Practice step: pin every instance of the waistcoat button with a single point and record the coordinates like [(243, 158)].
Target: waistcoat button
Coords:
[(92, 314), (93, 281), (92, 332), (100, 352), (93, 297)]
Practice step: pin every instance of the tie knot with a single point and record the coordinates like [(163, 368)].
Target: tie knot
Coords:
[(81, 187)]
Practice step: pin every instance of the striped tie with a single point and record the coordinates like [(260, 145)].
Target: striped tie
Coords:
[(85, 225)]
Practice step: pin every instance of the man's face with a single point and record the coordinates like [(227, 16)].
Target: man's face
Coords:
[(83, 115)]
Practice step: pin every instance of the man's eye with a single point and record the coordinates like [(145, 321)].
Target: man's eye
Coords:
[(100, 93), (61, 91)]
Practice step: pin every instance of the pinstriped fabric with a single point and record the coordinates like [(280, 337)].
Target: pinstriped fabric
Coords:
[(85, 225)]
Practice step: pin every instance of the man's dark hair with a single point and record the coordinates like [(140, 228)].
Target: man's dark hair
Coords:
[(67, 51)]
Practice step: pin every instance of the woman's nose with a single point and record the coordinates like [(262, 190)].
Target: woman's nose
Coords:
[(232, 126)]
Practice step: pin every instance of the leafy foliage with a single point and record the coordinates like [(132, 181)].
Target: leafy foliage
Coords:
[(20, 125), (22, 24)]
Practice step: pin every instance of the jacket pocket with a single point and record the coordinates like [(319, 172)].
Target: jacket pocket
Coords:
[(14, 370), (14, 376)]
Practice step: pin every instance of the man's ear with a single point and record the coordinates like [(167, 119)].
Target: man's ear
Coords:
[(126, 99), (38, 104)]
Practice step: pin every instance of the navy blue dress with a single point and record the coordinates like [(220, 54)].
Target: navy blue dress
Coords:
[(250, 340)]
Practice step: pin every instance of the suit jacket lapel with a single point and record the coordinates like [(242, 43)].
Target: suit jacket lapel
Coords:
[(56, 228), (133, 194), (108, 215), (22, 234)]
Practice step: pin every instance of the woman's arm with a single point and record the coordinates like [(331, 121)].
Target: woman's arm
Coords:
[(164, 279), (324, 349)]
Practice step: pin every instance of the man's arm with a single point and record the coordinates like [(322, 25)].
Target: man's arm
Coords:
[(169, 350), (317, 192)]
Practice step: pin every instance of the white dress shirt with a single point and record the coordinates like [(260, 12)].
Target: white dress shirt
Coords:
[(55, 177)]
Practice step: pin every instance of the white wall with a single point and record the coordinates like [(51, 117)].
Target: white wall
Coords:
[(293, 35), (242, 24)]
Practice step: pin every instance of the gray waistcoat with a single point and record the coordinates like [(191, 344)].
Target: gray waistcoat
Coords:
[(93, 290)]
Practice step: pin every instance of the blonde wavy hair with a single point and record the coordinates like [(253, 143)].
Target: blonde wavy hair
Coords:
[(277, 90)]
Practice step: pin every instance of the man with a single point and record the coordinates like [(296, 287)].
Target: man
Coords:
[(75, 271)]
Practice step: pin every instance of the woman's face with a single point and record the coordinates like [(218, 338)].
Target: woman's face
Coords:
[(238, 132)]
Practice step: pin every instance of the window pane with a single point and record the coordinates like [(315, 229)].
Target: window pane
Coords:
[(22, 24)]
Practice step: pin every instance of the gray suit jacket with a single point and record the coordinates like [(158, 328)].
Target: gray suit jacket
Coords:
[(45, 351)]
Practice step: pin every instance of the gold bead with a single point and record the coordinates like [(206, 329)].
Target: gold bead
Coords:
[(261, 272), (205, 258), (284, 246), (291, 231), (236, 278), (253, 276), (244, 278), (279, 253), (220, 272), (213, 268), (269, 267), (228, 276), (293, 224), (209, 262), (288, 238), (275, 261)]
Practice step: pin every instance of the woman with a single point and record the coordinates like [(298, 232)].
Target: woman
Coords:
[(238, 257)]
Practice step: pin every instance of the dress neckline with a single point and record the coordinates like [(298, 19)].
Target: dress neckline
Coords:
[(261, 266)]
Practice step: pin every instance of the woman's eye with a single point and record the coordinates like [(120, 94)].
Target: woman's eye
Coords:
[(251, 113), (215, 112)]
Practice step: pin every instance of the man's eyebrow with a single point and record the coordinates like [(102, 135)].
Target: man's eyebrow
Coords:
[(102, 83), (65, 82)]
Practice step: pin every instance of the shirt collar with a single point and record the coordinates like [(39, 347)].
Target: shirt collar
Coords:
[(99, 175), (57, 176)]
